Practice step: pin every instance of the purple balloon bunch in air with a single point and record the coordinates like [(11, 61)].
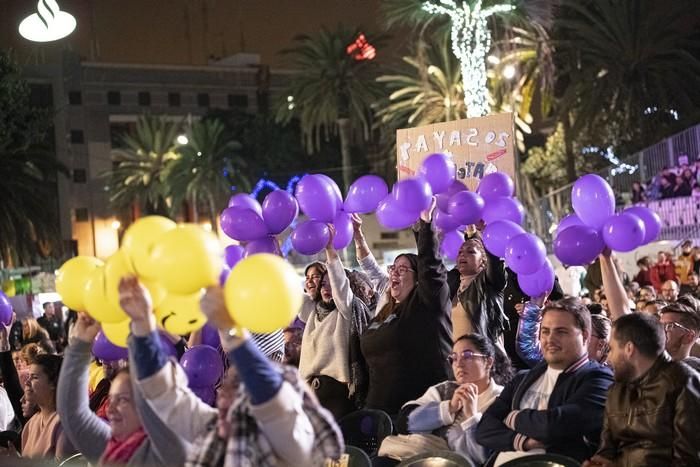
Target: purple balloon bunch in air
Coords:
[(582, 236), (204, 367)]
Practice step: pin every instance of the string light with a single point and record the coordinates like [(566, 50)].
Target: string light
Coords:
[(609, 155), (471, 42)]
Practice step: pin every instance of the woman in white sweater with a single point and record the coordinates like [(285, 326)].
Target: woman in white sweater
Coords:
[(450, 411), (326, 359)]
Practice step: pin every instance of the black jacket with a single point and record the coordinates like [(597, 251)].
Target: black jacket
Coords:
[(570, 425)]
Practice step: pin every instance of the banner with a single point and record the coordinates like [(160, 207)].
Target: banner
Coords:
[(478, 146)]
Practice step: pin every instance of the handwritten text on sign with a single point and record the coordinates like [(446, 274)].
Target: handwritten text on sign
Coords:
[(478, 146)]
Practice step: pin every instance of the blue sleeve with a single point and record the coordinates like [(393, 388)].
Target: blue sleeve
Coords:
[(527, 338), (148, 355), (261, 379)]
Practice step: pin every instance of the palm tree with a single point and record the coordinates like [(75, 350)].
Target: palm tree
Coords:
[(631, 68), (331, 91), (138, 173), (208, 169)]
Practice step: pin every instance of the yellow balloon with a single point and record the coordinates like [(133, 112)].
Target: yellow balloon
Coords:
[(180, 314), (116, 267), (117, 333), (157, 291), (188, 259), (96, 303), (139, 239), (262, 293), (8, 287), (72, 277)]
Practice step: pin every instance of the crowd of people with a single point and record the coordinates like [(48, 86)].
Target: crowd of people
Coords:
[(675, 182), (460, 360)]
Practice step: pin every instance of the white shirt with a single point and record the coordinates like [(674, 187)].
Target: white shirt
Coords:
[(7, 414)]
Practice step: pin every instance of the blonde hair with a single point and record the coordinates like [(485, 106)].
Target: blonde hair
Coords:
[(32, 329)]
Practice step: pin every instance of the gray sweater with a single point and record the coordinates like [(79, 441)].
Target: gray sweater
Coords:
[(89, 433)]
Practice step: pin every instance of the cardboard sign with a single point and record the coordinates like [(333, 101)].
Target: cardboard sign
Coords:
[(478, 146)]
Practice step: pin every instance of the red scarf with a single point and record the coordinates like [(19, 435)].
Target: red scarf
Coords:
[(120, 452)]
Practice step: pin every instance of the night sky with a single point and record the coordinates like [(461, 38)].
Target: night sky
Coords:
[(184, 32)]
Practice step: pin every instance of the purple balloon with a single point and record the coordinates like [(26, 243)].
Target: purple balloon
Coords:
[(223, 275), (455, 187), (412, 194), (503, 208), (540, 282), (262, 245), (623, 232), (391, 216), (651, 220), (310, 237), (279, 209), (365, 193), (497, 235), (245, 201), (203, 366), (5, 309), (578, 245), (234, 253), (242, 224), (443, 201), (593, 200), (496, 185), (337, 194), (445, 221), (568, 221), (167, 345), (206, 394), (451, 243), (103, 349), (525, 253), (467, 207), (343, 230), (439, 170), (317, 198), (210, 336)]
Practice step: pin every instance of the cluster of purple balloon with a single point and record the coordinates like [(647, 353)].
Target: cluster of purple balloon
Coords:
[(248, 221), (204, 368), (582, 236)]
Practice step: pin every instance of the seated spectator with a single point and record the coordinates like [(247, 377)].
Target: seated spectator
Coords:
[(557, 406), (693, 285), (695, 193), (667, 188), (638, 194), (271, 418), (43, 436), (643, 277), (451, 410), (681, 188), (669, 291), (662, 426), (664, 270), (120, 440), (684, 263), (682, 327), (654, 307), (647, 292)]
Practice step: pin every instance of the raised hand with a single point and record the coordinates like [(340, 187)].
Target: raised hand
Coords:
[(469, 396), (427, 215), (213, 307), (331, 237), (356, 223), (85, 328), (136, 302)]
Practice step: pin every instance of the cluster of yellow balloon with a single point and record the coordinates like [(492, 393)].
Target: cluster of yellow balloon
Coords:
[(262, 293), (173, 262)]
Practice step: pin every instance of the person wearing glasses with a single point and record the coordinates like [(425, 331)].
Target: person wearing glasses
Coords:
[(557, 406), (407, 342), (682, 327), (651, 414), (451, 410)]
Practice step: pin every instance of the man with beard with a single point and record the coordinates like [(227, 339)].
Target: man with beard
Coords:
[(557, 407), (651, 416), (682, 326)]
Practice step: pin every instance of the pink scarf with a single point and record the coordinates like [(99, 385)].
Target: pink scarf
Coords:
[(120, 452)]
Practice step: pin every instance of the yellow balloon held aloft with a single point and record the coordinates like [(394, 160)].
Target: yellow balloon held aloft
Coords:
[(72, 277), (187, 259), (117, 266), (262, 293), (140, 238), (157, 291), (96, 303), (180, 314), (117, 333)]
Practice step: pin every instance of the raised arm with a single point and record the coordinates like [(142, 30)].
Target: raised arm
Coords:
[(88, 432), (618, 303), (340, 284), (366, 259), (431, 274), (9, 374), (527, 342)]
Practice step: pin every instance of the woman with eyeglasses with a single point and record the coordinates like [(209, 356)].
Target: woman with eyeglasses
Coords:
[(447, 414), (329, 360), (407, 343)]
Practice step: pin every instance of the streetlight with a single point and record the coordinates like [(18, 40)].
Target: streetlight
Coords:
[(48, 24), (182, 140), (509, 72)]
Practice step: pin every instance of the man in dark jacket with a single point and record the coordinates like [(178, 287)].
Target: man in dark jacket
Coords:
[(651, 417), (556, 407)]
